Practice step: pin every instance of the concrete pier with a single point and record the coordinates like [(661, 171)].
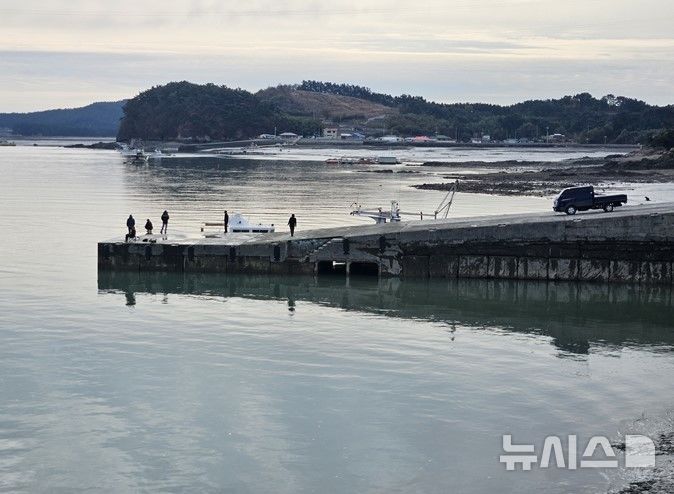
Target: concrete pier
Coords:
[(633, 244)]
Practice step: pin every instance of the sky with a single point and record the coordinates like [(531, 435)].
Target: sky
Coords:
[(57, 53)]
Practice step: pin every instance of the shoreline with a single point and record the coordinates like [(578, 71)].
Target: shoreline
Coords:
[(643, 166)]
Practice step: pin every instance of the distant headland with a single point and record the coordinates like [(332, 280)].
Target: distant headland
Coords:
[(194, 113)]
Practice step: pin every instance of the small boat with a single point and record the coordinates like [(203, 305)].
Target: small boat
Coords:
[(139, 158), (238, 224), (7, 143), (387, 160), (378, 215)]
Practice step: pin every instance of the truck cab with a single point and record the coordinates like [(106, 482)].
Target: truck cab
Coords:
[(583, 198), (576, 197)]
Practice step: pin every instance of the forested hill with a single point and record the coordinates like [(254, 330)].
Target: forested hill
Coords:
[(614, 119), (182, 110), (97, 120)]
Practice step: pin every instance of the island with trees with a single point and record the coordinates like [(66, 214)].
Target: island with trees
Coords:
[(203, 112)]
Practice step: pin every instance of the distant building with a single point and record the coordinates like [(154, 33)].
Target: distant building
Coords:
[(486, 138), (288, 135), (266, 136), (331, 132)]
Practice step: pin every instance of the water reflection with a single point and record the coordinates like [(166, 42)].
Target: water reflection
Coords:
[(579, 318)]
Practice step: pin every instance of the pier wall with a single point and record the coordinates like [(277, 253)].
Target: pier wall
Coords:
[(633, 245)]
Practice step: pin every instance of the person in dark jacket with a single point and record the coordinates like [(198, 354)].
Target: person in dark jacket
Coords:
[(148, 226), (292, 223), (131, 235), (130, 223), (226, 220), (164, 222)]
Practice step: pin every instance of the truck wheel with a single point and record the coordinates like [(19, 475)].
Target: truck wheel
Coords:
[(571, 210), (608, 208)]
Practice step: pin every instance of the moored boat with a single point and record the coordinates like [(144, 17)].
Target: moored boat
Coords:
[(238, 224), (139, 158), (387, 160)]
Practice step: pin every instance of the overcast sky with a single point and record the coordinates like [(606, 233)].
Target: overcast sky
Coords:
[(56, 53)]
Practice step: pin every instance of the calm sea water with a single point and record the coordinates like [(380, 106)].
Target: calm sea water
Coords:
[(161, 382)]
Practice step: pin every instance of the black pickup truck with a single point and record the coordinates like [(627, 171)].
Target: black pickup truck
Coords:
[(583, 198)]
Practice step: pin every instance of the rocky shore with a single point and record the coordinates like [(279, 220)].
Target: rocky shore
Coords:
[(548, 178), (97, 145)]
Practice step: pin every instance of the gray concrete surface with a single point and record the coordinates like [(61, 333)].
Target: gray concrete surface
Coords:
[(631, 244)]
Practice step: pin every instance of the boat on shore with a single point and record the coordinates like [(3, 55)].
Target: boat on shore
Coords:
[(380, 215), (238, 223)]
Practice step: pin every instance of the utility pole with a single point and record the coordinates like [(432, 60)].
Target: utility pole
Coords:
[(547, 135)]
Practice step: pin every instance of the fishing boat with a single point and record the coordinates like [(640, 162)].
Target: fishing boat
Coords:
[(239, 224), (378, 215), (135, 152), (139, 158)]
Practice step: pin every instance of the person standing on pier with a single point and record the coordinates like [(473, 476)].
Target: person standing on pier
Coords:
[(292, 223), (130, 223), (164, 222), (148, 226), (226, 220)]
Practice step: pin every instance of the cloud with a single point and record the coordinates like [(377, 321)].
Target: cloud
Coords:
[(56, 53)]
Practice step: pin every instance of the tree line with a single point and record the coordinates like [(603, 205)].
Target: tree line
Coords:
[(582, 117), (183, 110)]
